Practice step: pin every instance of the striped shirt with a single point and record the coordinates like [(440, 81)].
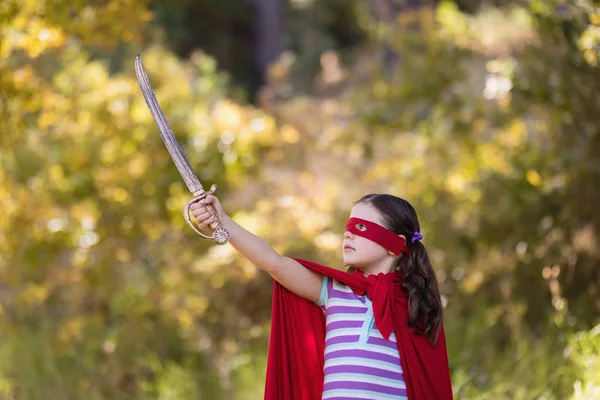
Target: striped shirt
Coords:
[(359, 362)]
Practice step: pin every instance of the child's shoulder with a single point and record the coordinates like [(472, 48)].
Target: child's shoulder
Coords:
[(330, 284)]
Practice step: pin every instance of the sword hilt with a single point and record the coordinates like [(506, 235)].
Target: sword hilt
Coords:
[(220, 234)]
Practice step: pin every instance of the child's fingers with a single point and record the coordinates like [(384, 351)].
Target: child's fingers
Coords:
[(203, 219), (201, 212), (197, 206), (209, 221), (210, 199), (201, 204), (206, 223)]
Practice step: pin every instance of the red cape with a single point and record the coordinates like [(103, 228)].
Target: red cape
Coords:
[(297, 344)]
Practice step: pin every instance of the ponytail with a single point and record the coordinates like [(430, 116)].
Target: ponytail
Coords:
[(421, 288)]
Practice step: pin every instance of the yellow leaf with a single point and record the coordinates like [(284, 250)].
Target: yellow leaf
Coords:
[(534, 178), (290, 134), (33, 294), (123, 254)]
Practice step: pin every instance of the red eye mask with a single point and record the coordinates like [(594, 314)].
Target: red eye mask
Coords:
[(378, 234)]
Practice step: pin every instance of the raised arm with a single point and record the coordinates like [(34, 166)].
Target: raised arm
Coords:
[(290, 273)]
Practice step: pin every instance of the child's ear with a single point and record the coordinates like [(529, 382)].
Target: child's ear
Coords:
[(403, 237)]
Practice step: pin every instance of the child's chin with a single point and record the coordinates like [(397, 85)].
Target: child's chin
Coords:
[(351, 261), (353, 265)]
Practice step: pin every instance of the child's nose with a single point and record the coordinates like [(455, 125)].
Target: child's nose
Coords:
[(348, 235)]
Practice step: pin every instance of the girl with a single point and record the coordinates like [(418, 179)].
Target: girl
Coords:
[(374, 332)]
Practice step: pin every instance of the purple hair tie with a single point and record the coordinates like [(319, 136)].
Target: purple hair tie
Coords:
[(416, 236)]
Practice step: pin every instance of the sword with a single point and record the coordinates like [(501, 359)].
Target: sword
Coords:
[(220, 234)]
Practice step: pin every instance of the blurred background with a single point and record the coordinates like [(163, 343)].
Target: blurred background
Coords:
[(484, 115)]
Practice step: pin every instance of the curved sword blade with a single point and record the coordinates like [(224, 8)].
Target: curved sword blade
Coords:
[(181, 162)]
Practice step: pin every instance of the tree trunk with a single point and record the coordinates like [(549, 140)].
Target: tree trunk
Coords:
[(270, 32)]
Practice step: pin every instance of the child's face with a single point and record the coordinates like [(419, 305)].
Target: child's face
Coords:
[(358, 251)]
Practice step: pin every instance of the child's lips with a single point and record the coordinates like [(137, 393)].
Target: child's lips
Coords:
[(348, 248)]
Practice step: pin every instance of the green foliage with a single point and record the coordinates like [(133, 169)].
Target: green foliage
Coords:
[(583, 350), (492, 133)]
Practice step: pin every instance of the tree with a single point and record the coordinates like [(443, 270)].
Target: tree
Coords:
[(105, 292)]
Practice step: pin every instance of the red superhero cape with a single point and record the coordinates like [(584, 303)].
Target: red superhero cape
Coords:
[(297, 343)]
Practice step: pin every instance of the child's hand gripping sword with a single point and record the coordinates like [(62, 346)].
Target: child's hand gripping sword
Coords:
[(220, 235)]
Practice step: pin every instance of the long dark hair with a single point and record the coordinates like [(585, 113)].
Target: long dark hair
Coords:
[(420, 282)]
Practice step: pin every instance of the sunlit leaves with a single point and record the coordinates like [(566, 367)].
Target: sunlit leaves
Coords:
[(91, 198), (583, 350), (487, 124), (37, 26), (491, 32), (589, 42)]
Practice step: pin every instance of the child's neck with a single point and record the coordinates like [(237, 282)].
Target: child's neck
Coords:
[(385, 266)]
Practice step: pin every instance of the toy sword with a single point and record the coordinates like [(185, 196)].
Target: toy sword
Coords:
[(220, 235)]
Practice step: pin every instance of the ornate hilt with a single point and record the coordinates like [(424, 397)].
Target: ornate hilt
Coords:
[(220, 234)]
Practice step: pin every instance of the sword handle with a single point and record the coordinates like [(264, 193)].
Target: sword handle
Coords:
[(220, 234)]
